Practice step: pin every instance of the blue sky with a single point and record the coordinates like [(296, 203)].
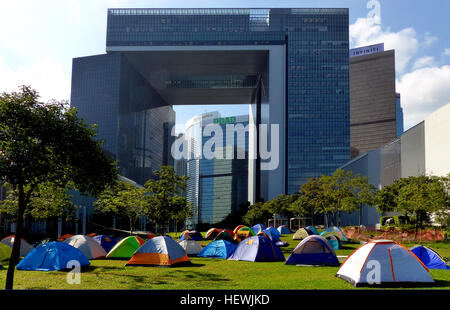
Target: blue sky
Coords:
[(38, 40)]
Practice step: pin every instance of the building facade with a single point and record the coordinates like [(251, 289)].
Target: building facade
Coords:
[(376, 117), (421, 150), (292, 65), (217, 186)]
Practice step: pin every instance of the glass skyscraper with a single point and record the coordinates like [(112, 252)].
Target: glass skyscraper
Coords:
[(216, 187), (290, 64)]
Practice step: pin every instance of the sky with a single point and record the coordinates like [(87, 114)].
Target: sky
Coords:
[(39, 39)]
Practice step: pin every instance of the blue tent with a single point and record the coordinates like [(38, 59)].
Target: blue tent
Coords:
[(283, 230), (218, 249), (313, 229), (52, 256), (258, 228), (273, 234), (193, 235), (429, 257), (257, 249), (106, 242), (313, 250), (336, 231)]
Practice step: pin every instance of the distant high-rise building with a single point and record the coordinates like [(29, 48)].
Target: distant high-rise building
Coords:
[(216, 186), (399, 113), (375, 116)]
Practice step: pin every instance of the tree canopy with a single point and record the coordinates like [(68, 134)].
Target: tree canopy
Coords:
[(45, 143)]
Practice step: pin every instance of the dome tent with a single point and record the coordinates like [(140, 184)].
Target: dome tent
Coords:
[(397, 265), (194, 235), (258, 228), (105, 241), (218, 249), (25, 247), (64, 237), (5, 252), (243, 233), (313, 250), (313, 230), (300, 234), (224, 235), (191, 247), (257, 249), (125, 248), (284, 230), (334, 230), (88, 246), (212, 233), (429, 257), (334, 242), (159, 251), (52, 256)]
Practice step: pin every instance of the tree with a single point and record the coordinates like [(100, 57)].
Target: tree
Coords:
[(163, 200), (420, 197), (363, 194), (122, 199), (259, 212), (47, 201), (45, 143)]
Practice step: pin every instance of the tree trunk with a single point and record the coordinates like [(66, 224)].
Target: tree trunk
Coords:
[(17, 240)]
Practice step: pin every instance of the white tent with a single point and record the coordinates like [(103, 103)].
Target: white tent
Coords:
[(381, 262), (25, 247), (191, 247), (87, 245)]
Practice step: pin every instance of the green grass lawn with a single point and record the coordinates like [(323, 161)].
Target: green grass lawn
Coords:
[(209, 274)]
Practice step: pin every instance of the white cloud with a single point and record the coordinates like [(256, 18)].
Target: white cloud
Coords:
[(447, 52), (426, 61), (364, 32), (45, 75), (424, 91)]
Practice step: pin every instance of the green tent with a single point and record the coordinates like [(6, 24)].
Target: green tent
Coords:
[(223, 235), (125, 248), (5, 252)]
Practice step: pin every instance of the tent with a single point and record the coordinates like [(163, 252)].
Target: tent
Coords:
[(334, 242), (224, 235), (243, 233), (5, 252), (105, 241), (275, 237), (334, 230), (64, 237), (159, 251), (191, 247), (313, 230), (88, 246), (258, 228), (194, 235), (275, 233), (52, 256), (257, 249), (429, 257), (125, 248), (212, 233), (237, 228), (313, 250), (300, 234), (284, 230), (25, 247), (218, 249), (396, 263)]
